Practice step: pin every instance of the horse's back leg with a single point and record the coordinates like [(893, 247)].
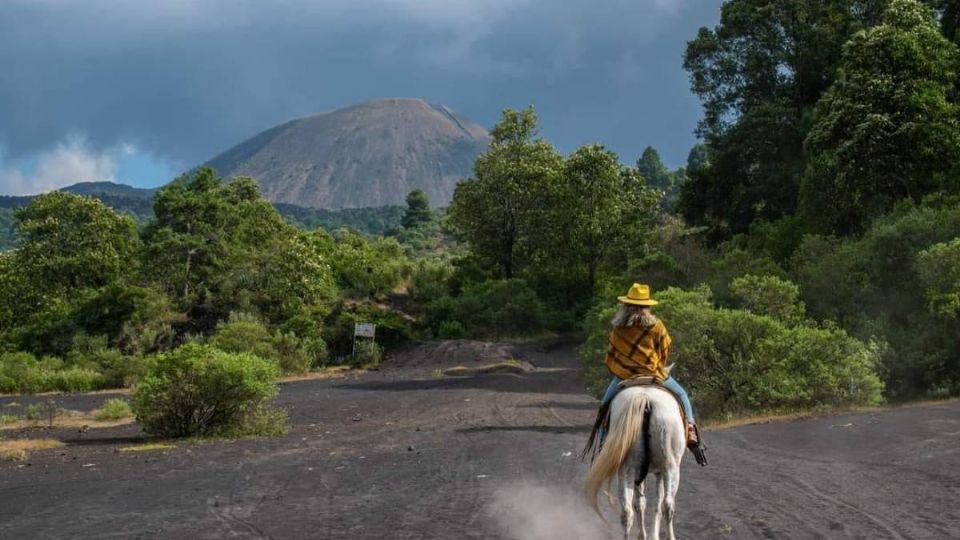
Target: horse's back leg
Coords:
[(626, 500), (640, 506), (655, 532), (672, 481)]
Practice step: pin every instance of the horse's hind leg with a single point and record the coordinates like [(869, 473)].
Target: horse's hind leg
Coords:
[(669, 496), (626, 501), (640, 505), (655, 533)]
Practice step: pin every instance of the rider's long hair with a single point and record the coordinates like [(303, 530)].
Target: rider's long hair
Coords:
[(631, 315)]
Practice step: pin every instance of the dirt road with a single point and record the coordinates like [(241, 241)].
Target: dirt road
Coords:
[(403, 454)]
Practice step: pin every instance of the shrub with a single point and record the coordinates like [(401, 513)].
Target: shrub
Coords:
[(393, 327), (492, 308), (202, 390), (367, 354), (21, 372), (113, 409), (118, 370), (451, 330), (939, 268), (769, 295), (734, 361), (243, 333)]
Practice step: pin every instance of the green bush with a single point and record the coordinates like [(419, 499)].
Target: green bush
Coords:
[(118, 370), (734, 361), (245, 334), (393, 327), (21, 372), (202, 390), (367, 354), (451, 330), (939, 268), (769, 295), (113, 409), (491, 308)]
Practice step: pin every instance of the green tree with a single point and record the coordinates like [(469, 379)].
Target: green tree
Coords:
[(70, 243), (652, 169), (759, 74), (603, 211), (418, 210), (218, 247), (886, 130), (499, 209)]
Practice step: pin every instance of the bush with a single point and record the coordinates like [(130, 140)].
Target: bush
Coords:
[(451, 330), (245, 334), (393, 327), (113, 409), (769, 295), (733, 361), (118, 370), (21, 372), (939, 268), (201, 390), (367, 354), (491, 308)]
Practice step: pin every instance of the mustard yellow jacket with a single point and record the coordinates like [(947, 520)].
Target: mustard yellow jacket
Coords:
[(638, 351)]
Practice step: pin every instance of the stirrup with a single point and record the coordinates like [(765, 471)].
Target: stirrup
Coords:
[(698, 449)]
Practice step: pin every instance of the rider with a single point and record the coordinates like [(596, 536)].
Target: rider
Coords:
[(640, 347)]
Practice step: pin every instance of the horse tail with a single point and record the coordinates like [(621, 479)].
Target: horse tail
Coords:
[(623, 435)]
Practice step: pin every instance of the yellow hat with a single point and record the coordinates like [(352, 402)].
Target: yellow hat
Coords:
[(639, 295)]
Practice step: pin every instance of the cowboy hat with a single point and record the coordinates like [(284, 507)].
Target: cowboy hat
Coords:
[(639, 295)]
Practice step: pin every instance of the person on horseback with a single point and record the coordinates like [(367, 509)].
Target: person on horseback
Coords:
[(640, 347)]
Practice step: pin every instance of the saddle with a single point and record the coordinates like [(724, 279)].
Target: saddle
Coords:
[(602, 422)]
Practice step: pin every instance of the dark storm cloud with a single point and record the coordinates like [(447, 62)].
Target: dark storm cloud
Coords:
[(185, 79)]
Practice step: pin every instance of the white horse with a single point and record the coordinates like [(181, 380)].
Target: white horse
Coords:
[(647, 435)]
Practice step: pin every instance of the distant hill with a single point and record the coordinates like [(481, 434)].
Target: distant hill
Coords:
[(367, 155), (138, 203)]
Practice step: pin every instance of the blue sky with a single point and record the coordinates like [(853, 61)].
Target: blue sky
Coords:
[(135, 91)]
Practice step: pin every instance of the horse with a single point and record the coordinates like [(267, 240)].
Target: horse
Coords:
[(647, 436)]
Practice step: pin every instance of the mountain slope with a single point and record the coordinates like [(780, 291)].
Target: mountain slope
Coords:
[(370, 154)]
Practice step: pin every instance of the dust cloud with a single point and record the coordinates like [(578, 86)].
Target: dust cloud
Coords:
[(537, 512)]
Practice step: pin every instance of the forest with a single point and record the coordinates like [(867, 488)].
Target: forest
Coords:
[(807, 255)]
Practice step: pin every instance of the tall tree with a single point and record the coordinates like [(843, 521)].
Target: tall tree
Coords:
[(651, 167), (418, 210), (218, 247), (603, 212), (498, 209), (759, 74), (70, 242), (885, 130)]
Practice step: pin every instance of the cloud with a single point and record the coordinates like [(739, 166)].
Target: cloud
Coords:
[(65, 164), (186, 79)]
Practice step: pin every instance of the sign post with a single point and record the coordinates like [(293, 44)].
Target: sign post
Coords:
[(363, 330)]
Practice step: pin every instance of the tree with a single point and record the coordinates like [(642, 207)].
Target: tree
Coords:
[(759, 74), (499, 209), (886, 129), (418, 210), (69, 242), (218, 247), (603, 210), (652, 169)]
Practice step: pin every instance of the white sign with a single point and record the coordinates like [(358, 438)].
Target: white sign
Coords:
[(364, 330)]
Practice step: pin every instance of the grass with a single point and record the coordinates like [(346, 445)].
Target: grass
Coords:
[(19, 449), (113, 409), (148, 447), (8, 419)]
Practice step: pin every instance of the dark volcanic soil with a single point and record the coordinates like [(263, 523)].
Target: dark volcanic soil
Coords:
[(399, 454)]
